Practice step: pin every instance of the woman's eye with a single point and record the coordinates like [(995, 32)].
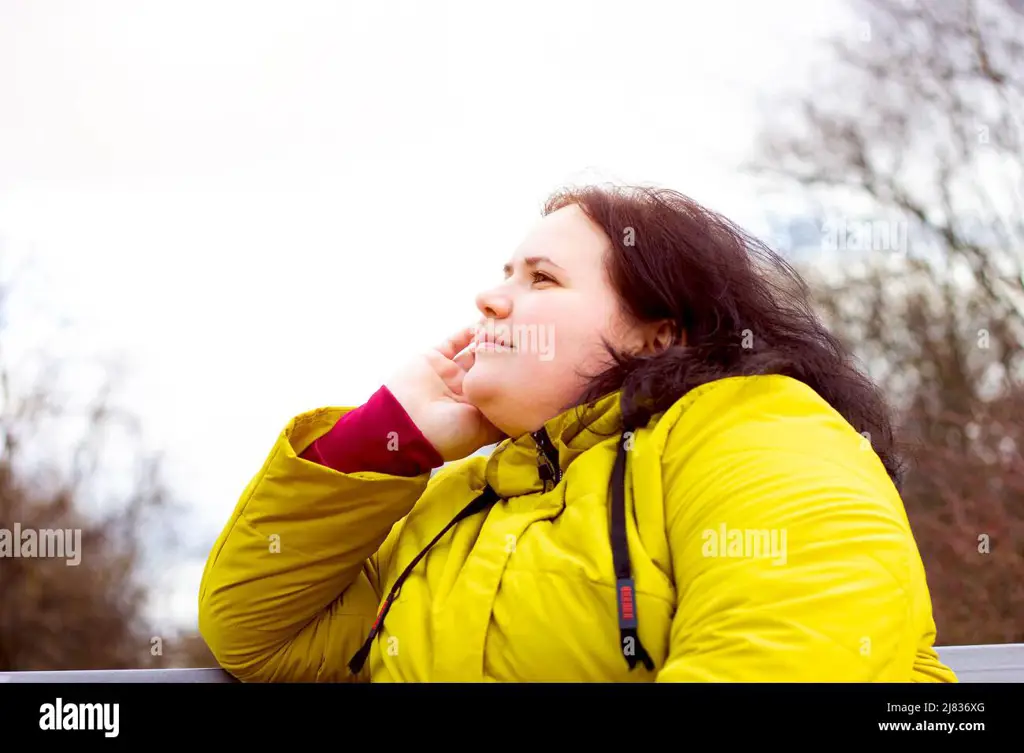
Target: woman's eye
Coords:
[(541, 277)]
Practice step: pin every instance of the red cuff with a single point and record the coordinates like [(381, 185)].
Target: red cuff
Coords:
[(377, 436)]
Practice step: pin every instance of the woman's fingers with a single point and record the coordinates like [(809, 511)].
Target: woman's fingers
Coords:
[(457, 342), (466, 360)]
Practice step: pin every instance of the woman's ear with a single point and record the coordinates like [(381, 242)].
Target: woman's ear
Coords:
[(659, 336)]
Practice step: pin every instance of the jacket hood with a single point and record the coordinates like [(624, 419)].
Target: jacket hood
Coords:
[(535, 461)]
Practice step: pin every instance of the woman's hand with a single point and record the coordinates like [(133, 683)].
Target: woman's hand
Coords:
[(429, 388)]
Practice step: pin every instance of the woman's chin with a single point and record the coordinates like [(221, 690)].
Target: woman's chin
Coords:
[(481, 385), (493, 388), (504, 400)]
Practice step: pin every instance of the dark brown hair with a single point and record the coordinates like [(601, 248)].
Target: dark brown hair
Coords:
[(744, 311)]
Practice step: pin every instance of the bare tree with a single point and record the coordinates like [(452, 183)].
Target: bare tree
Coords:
[(72, 541), (913, 142)]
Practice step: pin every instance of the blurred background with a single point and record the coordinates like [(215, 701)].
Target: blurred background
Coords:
[(215, 215)]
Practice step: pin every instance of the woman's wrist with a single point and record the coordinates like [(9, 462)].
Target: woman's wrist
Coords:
[(378, 436)]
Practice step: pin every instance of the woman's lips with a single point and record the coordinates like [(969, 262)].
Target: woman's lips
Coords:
[(492, 344)]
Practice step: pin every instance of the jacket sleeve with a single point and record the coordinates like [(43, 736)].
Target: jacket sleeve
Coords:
[(293, 582), (792, 554)]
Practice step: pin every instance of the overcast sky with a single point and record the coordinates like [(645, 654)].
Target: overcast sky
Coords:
[(265, 207)]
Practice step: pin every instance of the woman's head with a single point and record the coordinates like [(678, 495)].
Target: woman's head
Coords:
[(544, 328), (654, 295)]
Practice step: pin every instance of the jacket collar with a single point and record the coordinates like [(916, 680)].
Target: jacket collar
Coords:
[(536, 461)]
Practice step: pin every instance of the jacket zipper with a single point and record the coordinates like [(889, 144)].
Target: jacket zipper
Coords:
[(548, 465)]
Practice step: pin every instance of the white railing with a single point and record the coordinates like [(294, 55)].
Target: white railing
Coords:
[(985, 663)]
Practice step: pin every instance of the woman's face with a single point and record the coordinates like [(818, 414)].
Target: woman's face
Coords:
[(540, 336)]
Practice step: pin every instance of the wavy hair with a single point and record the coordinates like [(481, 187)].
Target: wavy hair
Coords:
[(742, 308)]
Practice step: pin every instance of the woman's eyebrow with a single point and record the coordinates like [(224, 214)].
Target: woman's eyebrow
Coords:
[(531, 261)]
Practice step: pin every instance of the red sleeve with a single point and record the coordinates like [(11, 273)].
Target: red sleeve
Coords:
[(377, 436)]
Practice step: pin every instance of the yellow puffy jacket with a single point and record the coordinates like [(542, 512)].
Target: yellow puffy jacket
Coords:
[(763, 542)]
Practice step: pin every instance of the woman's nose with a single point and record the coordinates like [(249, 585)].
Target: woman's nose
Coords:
[(494, 304)]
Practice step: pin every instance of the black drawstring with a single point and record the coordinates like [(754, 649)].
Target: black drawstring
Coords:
[(632, 649), (487, 498), (625, 591)]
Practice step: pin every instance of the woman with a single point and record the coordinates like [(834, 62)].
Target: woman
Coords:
[(692, 483)]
